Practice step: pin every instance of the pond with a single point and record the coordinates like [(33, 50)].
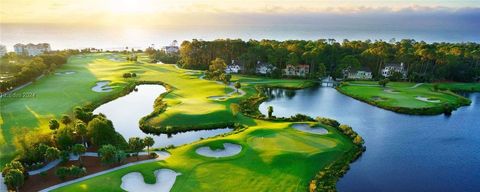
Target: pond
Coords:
[(404, 152), (125, 113)]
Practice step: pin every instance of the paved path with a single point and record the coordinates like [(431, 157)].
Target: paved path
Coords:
[(72, 158), (3, 187), (24, 85), (45, 168), (416, 85), (161, 156)]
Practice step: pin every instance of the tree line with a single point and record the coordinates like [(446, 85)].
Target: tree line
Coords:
[(424, 61)]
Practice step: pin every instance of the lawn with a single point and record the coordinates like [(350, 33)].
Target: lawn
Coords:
[(275, 157), (55, 95), (405, 97), (461, 87)]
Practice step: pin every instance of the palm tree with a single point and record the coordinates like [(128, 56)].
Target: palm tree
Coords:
[(238, 85), (66, 120), (81, 129), (53, 125), (79, 149), (148, 141), (270, 111)]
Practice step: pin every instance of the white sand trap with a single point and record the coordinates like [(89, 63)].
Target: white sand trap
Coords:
[(391, 91), (230, 149), (191, 73), (427, 99), (134, 181), (306, 128), (102, 86), (218, 98), (65, 73)]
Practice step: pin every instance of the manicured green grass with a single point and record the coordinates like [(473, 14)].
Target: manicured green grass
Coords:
[(275, 157), (461, 87), (404, 97), (56, 95)]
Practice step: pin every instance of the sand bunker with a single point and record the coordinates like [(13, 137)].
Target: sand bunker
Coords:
[(165, 180), (306, 128), (65, 73), (427, 99), (230, 149), (391, 91), (102, 86), (218, 98)]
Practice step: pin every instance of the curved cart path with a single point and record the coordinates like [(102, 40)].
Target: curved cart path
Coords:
[(161, 156)]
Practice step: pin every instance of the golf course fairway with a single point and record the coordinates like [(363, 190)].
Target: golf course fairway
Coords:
[(274, 156), (409, 98)]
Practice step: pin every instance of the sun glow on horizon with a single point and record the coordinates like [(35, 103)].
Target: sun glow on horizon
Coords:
[(168, 11)]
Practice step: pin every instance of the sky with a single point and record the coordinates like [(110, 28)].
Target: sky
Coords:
[(140, 23), (171, 12)]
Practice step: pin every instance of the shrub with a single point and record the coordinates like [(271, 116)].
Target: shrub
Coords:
[(64, 157), (328, 121), (153, 155), (62, 173)]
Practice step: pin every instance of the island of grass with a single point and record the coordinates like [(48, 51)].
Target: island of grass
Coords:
[(274, 156), (409, 98)]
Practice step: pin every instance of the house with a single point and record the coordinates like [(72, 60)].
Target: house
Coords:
[(264, 68), (172, 48), (31, 49), (298, 70), (234, 67), (3, 50), (390, 68), (362, 73)]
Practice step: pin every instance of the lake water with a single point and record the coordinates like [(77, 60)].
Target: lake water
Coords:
[(404, 152), (125, 113)]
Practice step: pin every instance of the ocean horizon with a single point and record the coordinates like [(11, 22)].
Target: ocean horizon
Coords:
[(65, 36)]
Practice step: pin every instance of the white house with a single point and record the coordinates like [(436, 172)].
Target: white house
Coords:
[(299, 70), (172, 48), (31, 49), (363, 73), (234, 67), (3, 50), (390, 68), (264, 68)]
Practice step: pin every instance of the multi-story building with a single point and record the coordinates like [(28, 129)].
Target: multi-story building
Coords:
[(31, 49), (390, 68), (299, 70), (264, 68), (172, 48), (3, 50)]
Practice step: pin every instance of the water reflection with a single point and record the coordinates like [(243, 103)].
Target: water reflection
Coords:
[(126, 111), (404, 152)]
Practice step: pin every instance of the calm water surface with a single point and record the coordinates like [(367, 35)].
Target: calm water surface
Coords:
[(126, 111), (404, 153)]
